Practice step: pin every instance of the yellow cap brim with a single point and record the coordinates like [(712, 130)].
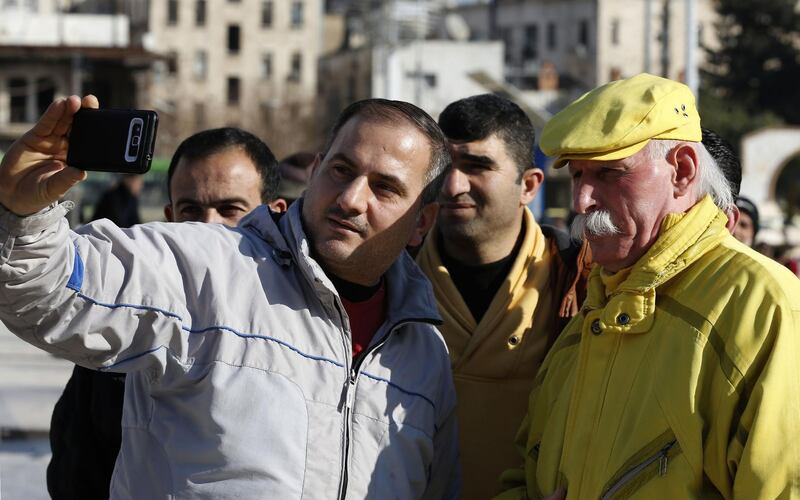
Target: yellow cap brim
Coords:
[(617, 154)]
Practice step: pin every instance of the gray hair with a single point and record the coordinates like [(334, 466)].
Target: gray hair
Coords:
[(712, 179)]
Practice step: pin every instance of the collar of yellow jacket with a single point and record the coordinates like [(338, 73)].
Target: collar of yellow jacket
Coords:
[(460, 329), (684, 238)]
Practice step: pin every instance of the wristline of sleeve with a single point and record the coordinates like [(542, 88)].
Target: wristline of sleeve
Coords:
[(13, 225)]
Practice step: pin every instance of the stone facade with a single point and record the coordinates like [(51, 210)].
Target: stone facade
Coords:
[(245, 63), (589, 42)]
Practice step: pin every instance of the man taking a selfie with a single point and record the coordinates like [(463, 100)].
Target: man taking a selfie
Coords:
[(215, 176), (253, 368)]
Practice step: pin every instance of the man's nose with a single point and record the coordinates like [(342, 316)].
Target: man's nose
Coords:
[(456, 183), (583, 197), (355, 197)]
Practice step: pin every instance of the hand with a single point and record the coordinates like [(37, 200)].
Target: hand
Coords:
[(34, 173)]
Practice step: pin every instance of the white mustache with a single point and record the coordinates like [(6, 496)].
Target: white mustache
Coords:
[(597, 223)]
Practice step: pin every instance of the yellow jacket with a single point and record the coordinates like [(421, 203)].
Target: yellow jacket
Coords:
[(683, 383), (494, 362)]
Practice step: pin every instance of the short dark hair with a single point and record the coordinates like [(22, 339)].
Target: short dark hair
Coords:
[(476, 118), (723, 153), (390, 111), (212, 141)]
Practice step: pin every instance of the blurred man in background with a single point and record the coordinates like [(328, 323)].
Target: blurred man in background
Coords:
[(295, 170), (120, 203)]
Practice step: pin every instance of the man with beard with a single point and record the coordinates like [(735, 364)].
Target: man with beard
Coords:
[(293, 356), (678, 377), (499, 279)]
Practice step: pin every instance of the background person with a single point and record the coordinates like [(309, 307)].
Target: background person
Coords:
[(747, 226), (295, 170), (727, 161), (217, 175), (120, 203)]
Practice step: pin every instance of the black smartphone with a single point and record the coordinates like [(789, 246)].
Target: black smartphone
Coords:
[(112, 140)]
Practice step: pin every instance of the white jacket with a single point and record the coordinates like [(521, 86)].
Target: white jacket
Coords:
[(241, 382)]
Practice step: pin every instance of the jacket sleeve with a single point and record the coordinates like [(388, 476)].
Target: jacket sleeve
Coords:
[(763, 454), (107, 298), (445, 473)]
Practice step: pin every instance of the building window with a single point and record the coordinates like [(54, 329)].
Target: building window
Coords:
[(234, 90), (200, 12), (45, 94), (234, 38), (297, 15), (615, 31), (172, 64), (200, 68), (296, 67), (18, 90), (531, 49), (266, 67), (505, 35), (583, 33), (200, 115), (172, 12), (28, 5), (551, 36), (266, 14)]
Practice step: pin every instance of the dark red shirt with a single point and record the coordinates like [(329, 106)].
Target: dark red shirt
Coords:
[(365, 318)]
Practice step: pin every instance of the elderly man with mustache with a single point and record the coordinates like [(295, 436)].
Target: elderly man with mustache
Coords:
[(678, 377)]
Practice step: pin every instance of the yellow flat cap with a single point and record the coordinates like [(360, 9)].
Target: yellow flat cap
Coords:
[(617, 120)]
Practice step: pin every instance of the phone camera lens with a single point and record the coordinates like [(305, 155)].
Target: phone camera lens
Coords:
[(135, 140)]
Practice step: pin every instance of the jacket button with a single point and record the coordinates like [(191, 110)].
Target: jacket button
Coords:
[(623, 319), (596, 327), (513, 340)]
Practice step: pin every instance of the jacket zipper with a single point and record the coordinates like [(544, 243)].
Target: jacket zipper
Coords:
[(350, 398), (662, 456)]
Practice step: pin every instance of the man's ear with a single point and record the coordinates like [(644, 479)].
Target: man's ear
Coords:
[(531, 181), (733, 214), (278, 205), (683, 158), (168, 213), (425, 220)]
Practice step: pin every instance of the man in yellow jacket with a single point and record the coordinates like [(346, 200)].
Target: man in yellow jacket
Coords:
[(499, 279), (678, 378)]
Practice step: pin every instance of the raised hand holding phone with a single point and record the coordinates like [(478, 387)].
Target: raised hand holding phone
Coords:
[(34, 173)]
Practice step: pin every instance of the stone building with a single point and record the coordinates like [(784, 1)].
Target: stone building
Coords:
[(245, 63)]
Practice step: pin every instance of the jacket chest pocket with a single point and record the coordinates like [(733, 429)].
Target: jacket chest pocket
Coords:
[(650, 462)]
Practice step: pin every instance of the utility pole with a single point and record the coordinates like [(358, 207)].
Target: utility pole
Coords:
[(665, 21), (692, 80), (648, 34)]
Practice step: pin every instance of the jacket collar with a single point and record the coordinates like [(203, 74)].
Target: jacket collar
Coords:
[(410, 295), (685, 237)]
